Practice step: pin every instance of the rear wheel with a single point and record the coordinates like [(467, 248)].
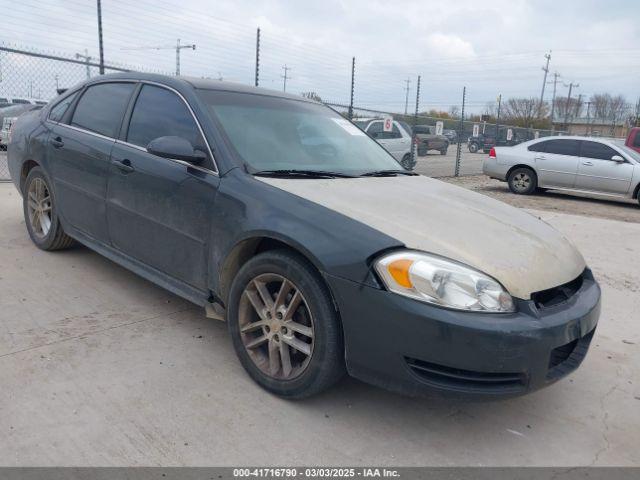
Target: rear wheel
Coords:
[(40, 213), (638, 196), (473, 147), (523, 181), (284, 327)]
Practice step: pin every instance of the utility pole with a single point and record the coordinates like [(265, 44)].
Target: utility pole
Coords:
[(588, 117), (178, 48), (406, 98), (459, 149), (556, 75), (498, 116), (100, 41), (566, 110), (414, 146), (285, 77), (544, 81), (87, 59)]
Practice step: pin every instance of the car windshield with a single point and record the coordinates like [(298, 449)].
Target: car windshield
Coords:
[(280, 134)]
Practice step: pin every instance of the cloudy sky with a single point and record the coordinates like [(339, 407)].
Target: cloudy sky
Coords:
[(490, 47)]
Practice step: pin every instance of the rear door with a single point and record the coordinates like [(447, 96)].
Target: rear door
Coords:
[(556, 162), (597, 172), (80, 146), (158, 209)]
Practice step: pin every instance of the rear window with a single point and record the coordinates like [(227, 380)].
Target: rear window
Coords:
[(102, 107), (562, 147)]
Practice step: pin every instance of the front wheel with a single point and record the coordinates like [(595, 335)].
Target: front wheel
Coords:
[(40, 213), (473, 147), (406, 162), (284, 327), (523, 181)]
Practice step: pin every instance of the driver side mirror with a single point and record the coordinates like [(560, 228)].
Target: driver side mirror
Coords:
[(176, 148), (617, 158)]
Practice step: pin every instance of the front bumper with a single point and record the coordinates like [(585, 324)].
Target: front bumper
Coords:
[(415, 348)]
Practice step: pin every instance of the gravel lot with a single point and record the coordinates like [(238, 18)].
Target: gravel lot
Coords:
[(436, 165), (100, 367), (553, 200)]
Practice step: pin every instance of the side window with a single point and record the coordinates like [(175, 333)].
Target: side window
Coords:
[(159, 113), (538, 147), (102, 107), (61, 108), (563, 147), (597, 150)]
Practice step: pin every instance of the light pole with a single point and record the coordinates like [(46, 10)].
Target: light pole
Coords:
[(87, 59)]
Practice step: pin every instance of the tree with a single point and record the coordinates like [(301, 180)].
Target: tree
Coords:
[(454, 111), (609, 109), (523, 112)]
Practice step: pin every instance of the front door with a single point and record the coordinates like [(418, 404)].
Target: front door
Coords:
[(598, 173), (557, 162), (79, 153), (159, 209)]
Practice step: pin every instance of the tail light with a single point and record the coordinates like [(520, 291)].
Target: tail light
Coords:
[(492, 153)]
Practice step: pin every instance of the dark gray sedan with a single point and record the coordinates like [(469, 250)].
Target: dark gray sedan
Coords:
[(321, 252)]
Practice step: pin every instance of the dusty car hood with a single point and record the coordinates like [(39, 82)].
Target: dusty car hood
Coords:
[(522, 252)]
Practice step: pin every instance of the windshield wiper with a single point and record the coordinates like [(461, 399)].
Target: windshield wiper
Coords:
[(388, 173), (301, 173)]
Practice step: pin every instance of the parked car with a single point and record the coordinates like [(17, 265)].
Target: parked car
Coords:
[(8, 116), (397, 142), (486, 141), (451, 135), (633, 139), (581, 164), (321, 257), (21, 101), (428, 140)]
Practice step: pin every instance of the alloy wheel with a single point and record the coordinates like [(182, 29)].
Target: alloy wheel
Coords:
[(276, 326), (521, 182), (39, 207)]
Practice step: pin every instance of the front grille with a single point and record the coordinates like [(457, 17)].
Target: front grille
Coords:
[(566, 358), (557, 295), (466, 380)]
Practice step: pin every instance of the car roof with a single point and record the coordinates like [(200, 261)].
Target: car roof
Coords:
[(605, 140), (198, 83)]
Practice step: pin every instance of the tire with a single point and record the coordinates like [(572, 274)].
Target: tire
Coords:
[(317, 361), (443, 151), (473, 147), (40, 214), (523, 181), (406, 162), (638, 196)]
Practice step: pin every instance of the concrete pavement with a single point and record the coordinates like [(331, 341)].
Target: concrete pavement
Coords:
[(100, 367)]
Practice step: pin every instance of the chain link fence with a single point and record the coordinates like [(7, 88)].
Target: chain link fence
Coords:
[(34, 78)]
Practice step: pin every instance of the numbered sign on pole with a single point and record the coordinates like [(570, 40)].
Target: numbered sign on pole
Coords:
[(536, 134), (439, 127), (388, 124), (476, 130), (509, 134)]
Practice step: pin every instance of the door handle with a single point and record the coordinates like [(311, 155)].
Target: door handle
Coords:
[(588, 164), (123, 165), (56, 142), (540, 157)]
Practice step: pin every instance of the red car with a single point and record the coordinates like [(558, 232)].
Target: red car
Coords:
[(633, 139)]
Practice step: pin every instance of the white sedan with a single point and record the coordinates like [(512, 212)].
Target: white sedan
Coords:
[(579, 164)]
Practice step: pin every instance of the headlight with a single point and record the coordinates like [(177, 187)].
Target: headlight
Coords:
[(442, 282)]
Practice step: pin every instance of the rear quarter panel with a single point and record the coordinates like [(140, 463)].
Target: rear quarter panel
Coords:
[(28, 142)]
